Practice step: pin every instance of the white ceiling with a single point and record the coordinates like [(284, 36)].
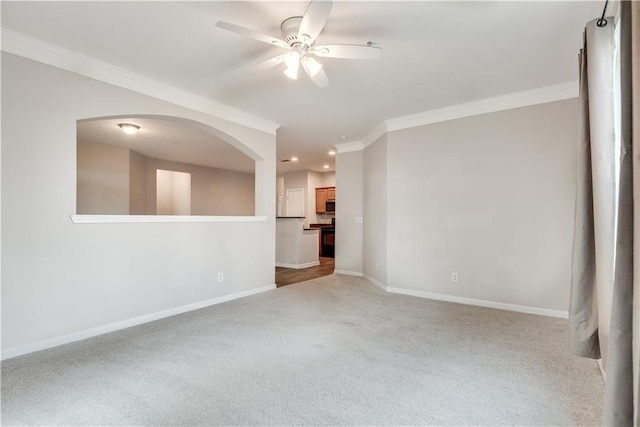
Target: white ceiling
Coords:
[(434, 54)]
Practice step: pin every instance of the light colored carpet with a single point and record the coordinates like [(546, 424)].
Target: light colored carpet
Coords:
[(332, 351)]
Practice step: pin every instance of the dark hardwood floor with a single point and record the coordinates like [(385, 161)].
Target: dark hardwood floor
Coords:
[(289, 276)]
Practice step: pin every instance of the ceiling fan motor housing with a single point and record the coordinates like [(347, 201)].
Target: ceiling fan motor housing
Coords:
[(290, 27)]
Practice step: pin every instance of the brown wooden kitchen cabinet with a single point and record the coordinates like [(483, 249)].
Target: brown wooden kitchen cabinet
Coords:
[(321, 200), (322, 195)]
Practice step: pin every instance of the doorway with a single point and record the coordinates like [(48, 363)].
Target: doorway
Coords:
[(173, 192)]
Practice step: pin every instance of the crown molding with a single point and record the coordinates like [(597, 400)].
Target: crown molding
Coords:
[(490, 105), (37, 50), (374, 134), (348, 147)]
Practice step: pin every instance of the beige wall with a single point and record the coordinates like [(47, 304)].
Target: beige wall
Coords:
[(349, 191), (213, 191), (103, 179), (61, 279), (115, 180), (375, 209), (137, 183), (489, 197)]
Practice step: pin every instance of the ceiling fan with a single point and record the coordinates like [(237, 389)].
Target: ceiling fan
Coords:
[(299, 35)]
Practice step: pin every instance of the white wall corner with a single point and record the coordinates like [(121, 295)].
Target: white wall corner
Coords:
[(541, 95), (376, 282), (40, 51), (348, 147), (379, 130)]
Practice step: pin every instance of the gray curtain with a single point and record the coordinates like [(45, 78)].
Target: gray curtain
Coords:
[(605, 319), (594, 224)]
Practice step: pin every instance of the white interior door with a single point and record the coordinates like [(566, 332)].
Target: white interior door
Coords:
[(295, 202)]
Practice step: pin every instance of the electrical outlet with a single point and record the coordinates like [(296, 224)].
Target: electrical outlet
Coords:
[(220, 277), (455, 278), (376, 266), (357, 220)]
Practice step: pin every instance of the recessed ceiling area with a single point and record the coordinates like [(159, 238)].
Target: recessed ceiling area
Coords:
[(166, 139), (434, 54)]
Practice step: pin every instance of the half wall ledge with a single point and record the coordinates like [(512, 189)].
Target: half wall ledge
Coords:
[(107, 219)]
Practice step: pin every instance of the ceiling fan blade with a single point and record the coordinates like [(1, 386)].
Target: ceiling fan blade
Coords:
[(314, 20), (320, 78), (347, 51), (270, 63), (251, 34)]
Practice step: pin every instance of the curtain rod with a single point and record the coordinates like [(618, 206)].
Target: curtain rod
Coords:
[(603, 22)]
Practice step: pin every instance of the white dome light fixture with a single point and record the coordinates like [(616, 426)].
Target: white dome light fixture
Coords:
[(128, 128)]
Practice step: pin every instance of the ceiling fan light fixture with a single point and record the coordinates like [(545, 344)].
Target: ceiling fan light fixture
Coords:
[(128, 128), (292, 61), (311, 66), (292, 73)]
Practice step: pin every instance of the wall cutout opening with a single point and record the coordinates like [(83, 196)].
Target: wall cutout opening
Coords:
[(129, 174)]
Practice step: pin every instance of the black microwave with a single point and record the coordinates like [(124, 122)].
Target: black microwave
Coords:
[(330, 206)]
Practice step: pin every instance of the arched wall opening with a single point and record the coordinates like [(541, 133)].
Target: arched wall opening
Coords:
[(171, 166)]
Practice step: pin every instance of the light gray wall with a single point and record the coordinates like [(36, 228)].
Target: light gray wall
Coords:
[(328, 179), (61, 278), (314, 180), (103, 179), (490, 197), (280, 196), (349, 190), (375, 206), (137, 183), (213, 191)]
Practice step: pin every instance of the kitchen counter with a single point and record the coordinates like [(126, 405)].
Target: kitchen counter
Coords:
[(296, 246)]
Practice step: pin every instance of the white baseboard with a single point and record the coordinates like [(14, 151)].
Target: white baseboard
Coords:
[(348, 272), (376, 282), (89, 333), (298, 266), (481, 303)]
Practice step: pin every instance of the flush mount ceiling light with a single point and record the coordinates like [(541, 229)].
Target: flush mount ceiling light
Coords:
[(129, 128), (326, 166), (332, 152), (294, 159)]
